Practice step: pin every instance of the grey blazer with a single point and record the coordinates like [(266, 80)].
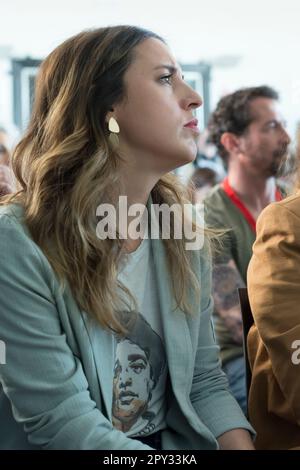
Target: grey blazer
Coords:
[(56, 384)]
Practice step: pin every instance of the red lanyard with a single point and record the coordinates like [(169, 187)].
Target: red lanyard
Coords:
[(240, 205)]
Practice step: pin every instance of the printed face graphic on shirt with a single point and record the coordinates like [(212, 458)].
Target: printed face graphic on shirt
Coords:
[(139, 361), (132, 381)]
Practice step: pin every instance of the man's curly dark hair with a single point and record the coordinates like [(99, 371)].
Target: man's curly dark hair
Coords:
[(233, 114)]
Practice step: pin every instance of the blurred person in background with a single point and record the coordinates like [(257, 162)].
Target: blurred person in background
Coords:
[(249, 132), (274, 338), (208, 157), (6, 176), (201, 182), (4, 147)]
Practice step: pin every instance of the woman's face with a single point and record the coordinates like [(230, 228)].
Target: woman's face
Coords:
[(154, 114)]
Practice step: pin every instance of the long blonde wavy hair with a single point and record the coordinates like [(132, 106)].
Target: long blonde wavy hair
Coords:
[(66, 166)]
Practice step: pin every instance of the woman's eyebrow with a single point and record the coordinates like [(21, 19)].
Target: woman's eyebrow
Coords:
[(170, 68)]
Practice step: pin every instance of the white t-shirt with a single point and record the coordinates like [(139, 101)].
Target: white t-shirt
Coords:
[(140, 372)]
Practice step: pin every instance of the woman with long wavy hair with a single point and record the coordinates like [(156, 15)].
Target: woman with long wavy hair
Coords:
[(108, 335)]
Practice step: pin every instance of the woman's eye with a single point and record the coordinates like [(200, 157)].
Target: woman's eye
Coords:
[(166, 79)]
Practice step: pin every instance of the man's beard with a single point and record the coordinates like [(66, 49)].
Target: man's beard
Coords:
[(279, 162)]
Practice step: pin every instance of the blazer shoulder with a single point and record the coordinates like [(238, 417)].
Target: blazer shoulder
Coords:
[(287, 211), (12, 216), (16, 242), (291, 203)]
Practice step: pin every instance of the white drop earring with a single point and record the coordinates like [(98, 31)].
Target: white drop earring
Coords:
[(114, 129), (113, 126)]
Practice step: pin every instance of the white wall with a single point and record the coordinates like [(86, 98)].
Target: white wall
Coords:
[(261, 37)]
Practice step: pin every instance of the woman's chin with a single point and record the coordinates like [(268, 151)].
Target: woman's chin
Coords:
[(176, 160), (185, 161), (190, 157)]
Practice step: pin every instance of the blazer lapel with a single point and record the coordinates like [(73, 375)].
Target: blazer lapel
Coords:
[(102, 342)]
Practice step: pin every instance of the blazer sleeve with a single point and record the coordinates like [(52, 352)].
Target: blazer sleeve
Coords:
[(274, 293), (42, 378), (213, 402)]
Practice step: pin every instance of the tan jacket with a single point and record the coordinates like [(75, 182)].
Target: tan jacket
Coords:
[(274, 291)]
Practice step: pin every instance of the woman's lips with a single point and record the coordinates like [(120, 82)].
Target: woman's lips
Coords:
[(193, 125)]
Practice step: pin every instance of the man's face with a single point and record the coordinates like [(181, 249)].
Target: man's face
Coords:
[(264, 145), (132, 382)]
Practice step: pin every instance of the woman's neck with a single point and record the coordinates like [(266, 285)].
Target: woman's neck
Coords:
[(135, 189)]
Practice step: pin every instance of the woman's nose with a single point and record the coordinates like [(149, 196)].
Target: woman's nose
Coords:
[(192, 99)]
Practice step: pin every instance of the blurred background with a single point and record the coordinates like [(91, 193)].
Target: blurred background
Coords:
[(221, 46)]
